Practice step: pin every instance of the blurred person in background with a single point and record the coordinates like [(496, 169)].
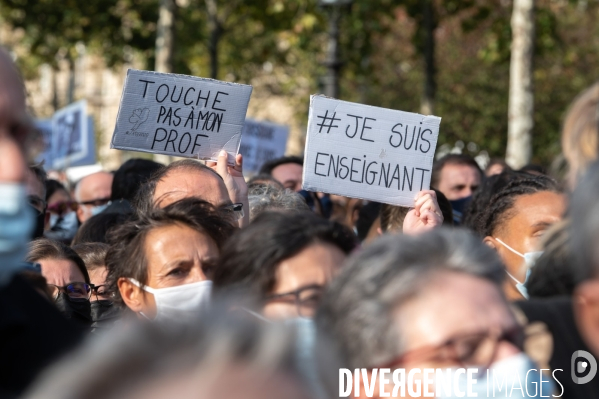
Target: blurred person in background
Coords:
[(514, 223), (103, 310), (428, 301), (67, 279), (93, 194), (97, 228), (580, 134), (160, 264), (63, 223), (286, 170), (260, 180), (28, 319), (215, 356), (496, 166), (284, 261), (36, 194), (189, 178), (269, 198), (457, 176), (127, 181)]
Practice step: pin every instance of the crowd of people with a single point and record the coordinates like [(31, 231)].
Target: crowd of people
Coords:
[(187, 280)]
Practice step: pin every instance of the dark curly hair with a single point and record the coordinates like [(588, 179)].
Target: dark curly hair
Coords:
[(126, 257), (500, 205), (249, 260)]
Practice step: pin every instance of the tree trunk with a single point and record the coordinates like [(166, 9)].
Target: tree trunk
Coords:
[(165, 37), (521, 98), (215, 28), (427, 105)]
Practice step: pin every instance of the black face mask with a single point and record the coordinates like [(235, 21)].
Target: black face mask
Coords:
[(104, 313), (40, 219), (78, 310)]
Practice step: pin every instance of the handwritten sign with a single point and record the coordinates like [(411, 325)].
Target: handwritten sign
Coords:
[(368, 152), (68, 137), (180, 115), (260, 142)]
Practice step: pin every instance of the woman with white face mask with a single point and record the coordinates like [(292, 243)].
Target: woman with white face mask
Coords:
[(159, 265), (63, 223)]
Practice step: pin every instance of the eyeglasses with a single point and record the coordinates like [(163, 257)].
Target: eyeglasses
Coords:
[(305, 299), (101, 292), (467, 350), (234, 209), (60, 208), (75, 290), (96, 202), (38, 203)]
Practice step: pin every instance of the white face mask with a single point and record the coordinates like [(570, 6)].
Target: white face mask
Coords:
[(62, 227), (96, 210), (178, 302), (530, 258), (517, 372), (16, 226)]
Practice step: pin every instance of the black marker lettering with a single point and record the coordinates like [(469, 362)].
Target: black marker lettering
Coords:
[(356, 129), (158, 92), (158, 141), (391, 136), (185, 98), (146, 86), (319, 163), (366, 127), (217, 101)]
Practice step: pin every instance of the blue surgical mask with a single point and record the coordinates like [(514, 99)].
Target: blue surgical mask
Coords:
[(96, 210), (530, 258), (63, 228), (16, 226), (517, 372)]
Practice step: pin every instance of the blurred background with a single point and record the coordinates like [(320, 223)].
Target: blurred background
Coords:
[(450, 58)]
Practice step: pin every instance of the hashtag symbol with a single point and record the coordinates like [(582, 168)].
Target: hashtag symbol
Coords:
[(326, 118)]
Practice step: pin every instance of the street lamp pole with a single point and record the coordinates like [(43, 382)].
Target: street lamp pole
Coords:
[(332, 62)]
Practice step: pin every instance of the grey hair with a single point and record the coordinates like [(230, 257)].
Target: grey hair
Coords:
[(357, 310), (584, 229), (267, 198), (206, 351)]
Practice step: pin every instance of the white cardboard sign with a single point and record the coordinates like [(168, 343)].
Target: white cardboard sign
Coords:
[(368, 152), (260, 142), (70, 141), (180, 115)]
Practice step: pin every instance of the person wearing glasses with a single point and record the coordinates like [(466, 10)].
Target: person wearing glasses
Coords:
[(67, 278), (432, 301), (284, 260), (104, 312), (93, 194), (159, 265), (217, 183), (63, 223)]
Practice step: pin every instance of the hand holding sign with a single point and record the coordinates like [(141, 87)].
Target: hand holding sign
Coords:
[(234, 181), (426, 214)]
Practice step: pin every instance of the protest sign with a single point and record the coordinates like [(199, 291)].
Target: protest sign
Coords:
[(184, 116), (260, 142), (68, 138), (368, 152)]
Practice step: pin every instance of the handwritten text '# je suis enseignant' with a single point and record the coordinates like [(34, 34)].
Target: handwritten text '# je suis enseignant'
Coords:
[(369, 152)]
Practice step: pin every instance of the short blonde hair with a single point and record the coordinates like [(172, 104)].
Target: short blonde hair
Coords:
[(580, 133)]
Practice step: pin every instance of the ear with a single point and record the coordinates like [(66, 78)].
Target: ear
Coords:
[(490, 241), (379, 231), (80, 212), (131, 294), (586, 310)]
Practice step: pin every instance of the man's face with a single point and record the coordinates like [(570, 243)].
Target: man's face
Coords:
[(453, 306), (289, 175), (93, 190), (36, 192), (185, 183), (458, 181)]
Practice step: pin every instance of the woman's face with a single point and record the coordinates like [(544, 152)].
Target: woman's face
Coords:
[(306, 273), (529, 218), (97, 277), (176, 255), (60, 272)]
